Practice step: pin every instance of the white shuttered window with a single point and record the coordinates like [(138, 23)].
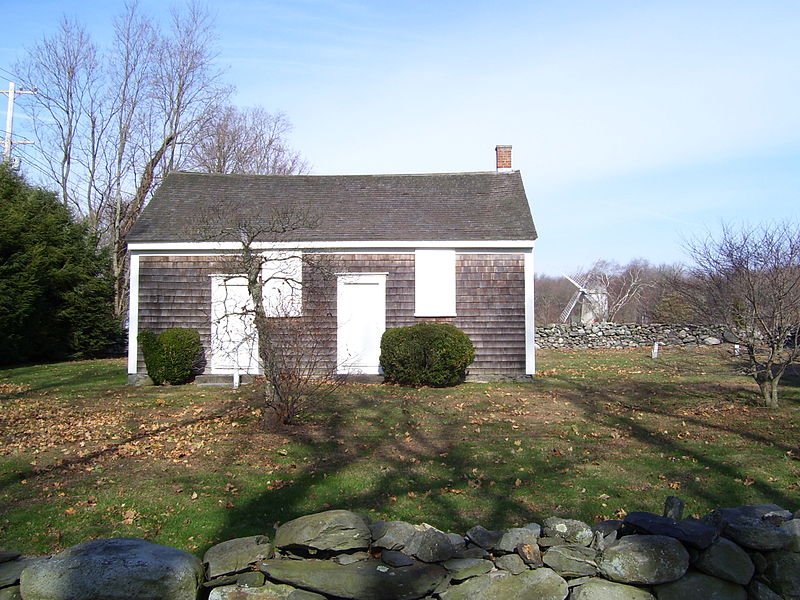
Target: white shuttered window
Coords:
[(435, 283)]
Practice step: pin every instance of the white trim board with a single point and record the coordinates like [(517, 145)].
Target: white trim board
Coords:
[(234, 246)]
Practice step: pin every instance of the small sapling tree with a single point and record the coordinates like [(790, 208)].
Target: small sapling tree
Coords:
[(293, 348), (749, 280)]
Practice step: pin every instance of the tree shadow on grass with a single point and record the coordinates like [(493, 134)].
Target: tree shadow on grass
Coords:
[(402, 462), (638, 396)]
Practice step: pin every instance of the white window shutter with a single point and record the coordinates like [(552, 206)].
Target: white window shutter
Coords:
[(435, 283)]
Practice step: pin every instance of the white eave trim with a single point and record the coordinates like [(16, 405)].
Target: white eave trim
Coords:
[(145, 247)]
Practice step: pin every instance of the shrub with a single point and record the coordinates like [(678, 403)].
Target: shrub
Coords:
[(172, 356), (434, 354)]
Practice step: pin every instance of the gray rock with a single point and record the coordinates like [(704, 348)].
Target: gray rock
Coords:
[(114, 569), (608, 526), (333, 530), (246, 579), (758, 590), (535, 527), (472, 552), (430, 545), (700, 585), (391, 535), (10, 593), (6, 555), (269, 591), (759, 560), (530, 554), (644, 560), (757, 534), (484, 538), (571, 561), (793, 527), (542, 584), (711, 341), (572, 531), (364, 580), (236, 555), (459, 541), (690, 531), (395, 558), (511, 563), (673, 508), (349, 559), (514, 537), (600, 589), (783, 573), (726, 560), (462, 569), (11, 570), (722, 516)]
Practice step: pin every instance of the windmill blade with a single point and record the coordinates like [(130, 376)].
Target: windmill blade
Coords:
[(580, 286), (570, 305)]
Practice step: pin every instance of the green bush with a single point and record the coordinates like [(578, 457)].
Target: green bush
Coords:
[(434, 354), (172, 356)]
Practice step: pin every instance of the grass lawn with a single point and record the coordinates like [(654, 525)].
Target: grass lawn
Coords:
[(596, 434)]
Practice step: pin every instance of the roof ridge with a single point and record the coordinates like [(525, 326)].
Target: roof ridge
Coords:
[(242, 175)]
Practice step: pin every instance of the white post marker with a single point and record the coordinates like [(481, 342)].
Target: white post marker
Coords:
[(236, 379), (736, 350), (654, 353)]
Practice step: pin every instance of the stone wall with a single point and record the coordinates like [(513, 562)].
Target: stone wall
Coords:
[(627, 335), (750, 552)]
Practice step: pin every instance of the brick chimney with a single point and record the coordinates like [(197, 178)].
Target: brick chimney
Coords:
[(503, 158)]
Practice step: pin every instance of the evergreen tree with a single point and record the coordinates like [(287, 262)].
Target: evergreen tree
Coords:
[(56, 293)]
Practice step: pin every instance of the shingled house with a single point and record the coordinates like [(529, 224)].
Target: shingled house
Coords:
[(455, 247)]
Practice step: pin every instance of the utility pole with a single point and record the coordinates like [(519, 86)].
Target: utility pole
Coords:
[(11, 91)]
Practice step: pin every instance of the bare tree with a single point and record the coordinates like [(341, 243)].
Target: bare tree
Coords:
[(294, 350), (749, 280), (249, 141), (64, 69), (622, 286), (109, 125)]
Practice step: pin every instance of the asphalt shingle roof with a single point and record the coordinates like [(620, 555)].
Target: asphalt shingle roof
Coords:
[(433, 207)]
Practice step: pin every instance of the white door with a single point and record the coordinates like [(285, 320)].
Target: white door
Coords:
[(361, 321)]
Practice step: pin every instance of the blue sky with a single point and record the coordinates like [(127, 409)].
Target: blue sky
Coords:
[(636, 125)]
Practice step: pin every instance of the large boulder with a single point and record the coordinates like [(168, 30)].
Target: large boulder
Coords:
[(644, 559), (700, 585), (364, 580), (600, 589), (542, 584), (726, 560), (114, 569), (332, 530)]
